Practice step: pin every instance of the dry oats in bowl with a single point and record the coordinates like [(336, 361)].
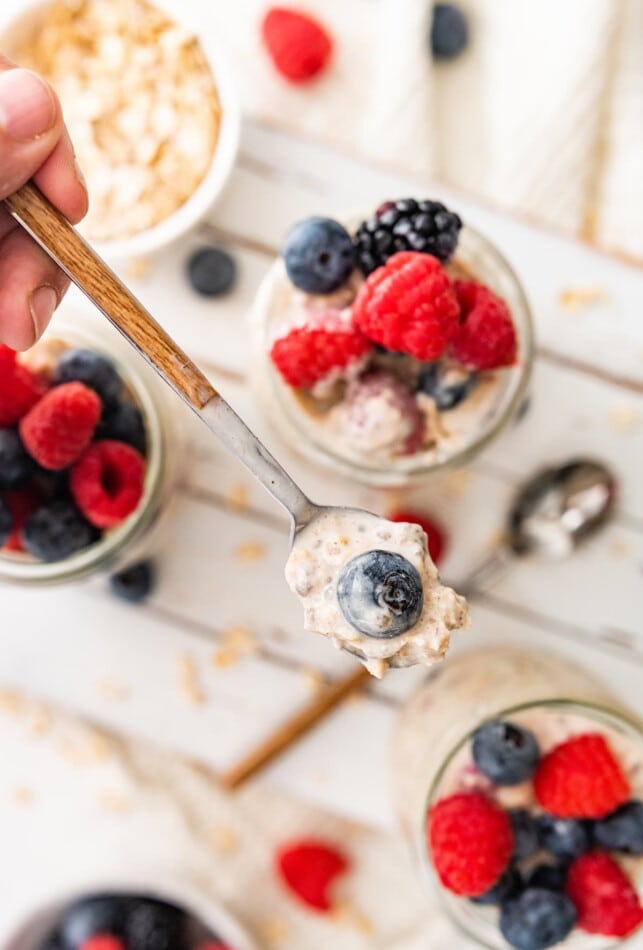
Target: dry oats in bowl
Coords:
[(150, 107)]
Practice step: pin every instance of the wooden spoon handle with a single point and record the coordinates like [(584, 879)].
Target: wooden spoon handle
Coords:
[(50, 229)]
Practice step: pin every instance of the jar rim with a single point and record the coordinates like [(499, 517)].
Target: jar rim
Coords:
[(24, 571)]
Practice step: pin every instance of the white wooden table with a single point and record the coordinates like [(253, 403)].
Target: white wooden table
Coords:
[(119, 665)]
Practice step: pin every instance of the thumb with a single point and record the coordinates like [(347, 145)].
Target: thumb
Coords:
[(30, 126)]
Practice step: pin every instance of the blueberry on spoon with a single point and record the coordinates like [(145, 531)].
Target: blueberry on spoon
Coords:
[(380, 594)]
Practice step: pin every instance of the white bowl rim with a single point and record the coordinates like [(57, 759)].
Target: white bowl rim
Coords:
[(211, 912), (223, 158)]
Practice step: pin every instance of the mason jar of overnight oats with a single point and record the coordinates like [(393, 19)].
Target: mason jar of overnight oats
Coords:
[(390, 414), (573, 816), (101, 510)]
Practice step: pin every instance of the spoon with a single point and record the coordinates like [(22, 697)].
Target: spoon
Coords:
[(56, 236), (554, 512)]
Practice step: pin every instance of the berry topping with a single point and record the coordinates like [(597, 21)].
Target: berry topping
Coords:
[(55, 531), (90, 916), (309, 868), (471, 841), (380, 594), (408, 306), (509, 885), (309, 354), (379, 414), (21, 502), (449, 31), (61, 425), (15, 465), (134, 583), (486, 336), (406, 225), (605, 900), (448, 386), (152, 924), (92, 369), (525, 831), (298, 45), (20, 389), (6, 522), (538, 918), (123, 422), (565, 838), (107, 482), (580, 778), (435, 535), (504, 752), (319, 255), (622, 830), (211, 271), (550, 876), (103, 942)]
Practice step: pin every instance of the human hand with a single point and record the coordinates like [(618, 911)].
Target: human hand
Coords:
[(34, 143)]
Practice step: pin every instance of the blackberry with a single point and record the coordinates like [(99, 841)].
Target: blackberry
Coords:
[(406, 225)]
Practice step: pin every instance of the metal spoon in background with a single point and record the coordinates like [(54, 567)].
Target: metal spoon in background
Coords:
[(554, 511)]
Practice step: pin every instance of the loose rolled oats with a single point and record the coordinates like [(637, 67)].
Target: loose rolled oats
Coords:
[(140, 102)]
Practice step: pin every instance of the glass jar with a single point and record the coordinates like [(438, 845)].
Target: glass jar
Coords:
[(301, 429), (165, 457), (553, 697)]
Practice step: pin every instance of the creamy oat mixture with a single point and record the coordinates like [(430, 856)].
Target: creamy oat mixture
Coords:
[(315, 566), (140, 101)]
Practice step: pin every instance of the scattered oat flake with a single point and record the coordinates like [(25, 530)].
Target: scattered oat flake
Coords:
[(22, 795), (224, 840), (273, 931), (457, 483), (40, 722), (11, 701), (189, 681), (224, 658), (576, 299), (351, 916), (620, 546), (110, 689), (238, 496), (113, 801), (624, 418), (139, 267), (99, 747), (250, 552), (313, 680)]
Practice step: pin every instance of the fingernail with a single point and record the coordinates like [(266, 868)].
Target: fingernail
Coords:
[(27, 105), (42, 304)]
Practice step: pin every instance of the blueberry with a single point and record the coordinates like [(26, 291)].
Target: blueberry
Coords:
[(92, 369), (6, 521), (504, 752), (212, 271), (102, 913), (57, 530), (319, 255), (538, 918), (622, 830), (155, 925), (550, 876), (525, 830), (134, 583), (447, 385), (123, 421), (16, 466), (380, 594), (565, 838), (508, 887), (449, 31)]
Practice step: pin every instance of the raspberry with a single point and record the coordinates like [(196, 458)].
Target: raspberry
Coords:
[(486, 337), (308, 868), (471, 842), (21, 503), (103, 942), (408, 306), (298, 45), (580, 778), (435, 535), (107, 482), (20, 389), (61, 426), (308, 354), (605, 900)]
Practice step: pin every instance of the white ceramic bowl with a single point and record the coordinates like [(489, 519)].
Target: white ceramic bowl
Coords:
[(210, 913), (20, 15)]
